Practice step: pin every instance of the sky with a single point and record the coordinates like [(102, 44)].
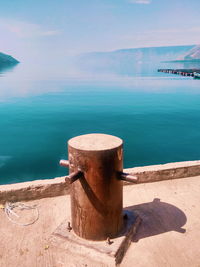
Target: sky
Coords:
[(42, 30)]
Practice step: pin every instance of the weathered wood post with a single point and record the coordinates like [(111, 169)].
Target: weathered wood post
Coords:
[(95, 174), (96, 160)]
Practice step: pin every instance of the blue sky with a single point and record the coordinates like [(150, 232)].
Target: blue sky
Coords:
[(35, 30)]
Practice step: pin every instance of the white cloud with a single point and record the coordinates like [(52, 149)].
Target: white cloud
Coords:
[(23, 29), (50, 33), (165, 37), (146, 2)]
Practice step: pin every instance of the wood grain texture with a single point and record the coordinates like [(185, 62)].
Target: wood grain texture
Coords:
[(96, 198)]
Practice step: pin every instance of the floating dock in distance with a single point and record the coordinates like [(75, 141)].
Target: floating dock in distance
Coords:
[(184, 72)]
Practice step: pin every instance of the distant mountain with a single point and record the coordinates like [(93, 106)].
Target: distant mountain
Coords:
[(131, 61), (7, 60), (193, 54)]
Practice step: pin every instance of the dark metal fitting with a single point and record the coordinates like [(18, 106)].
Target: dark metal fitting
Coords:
[(108, 241), (128, 177), (125, 216), (64, 163), (69, 228), (72, 177)]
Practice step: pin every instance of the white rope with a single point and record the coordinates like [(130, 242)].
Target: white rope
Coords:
[(9, 211)]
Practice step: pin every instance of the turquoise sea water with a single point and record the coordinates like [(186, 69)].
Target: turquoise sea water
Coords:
[(157, 116)]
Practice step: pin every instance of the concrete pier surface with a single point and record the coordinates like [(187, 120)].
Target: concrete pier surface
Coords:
[(168, 236)]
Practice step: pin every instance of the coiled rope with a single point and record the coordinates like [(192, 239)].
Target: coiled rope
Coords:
[(9, 207)]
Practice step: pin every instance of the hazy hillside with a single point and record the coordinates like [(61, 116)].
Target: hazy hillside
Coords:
[(7, 60), (131, 61), (193, 54)]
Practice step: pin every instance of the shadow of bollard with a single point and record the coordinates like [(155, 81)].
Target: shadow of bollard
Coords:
[(157, 218)]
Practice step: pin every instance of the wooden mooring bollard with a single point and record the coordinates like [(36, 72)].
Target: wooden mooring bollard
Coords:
[(96, 173)]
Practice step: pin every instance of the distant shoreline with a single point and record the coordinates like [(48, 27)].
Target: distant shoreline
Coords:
[(182, 61)]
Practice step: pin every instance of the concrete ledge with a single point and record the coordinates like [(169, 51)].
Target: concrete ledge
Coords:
[(34, 190), (155, 173), (56, 187)]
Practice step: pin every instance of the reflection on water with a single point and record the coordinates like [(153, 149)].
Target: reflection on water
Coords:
[(127, 68), (7, 68), (132, 62), (184, 65), (22, 84), (40, 109)]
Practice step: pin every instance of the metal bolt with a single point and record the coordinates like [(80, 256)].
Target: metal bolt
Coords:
[(125, 216), (108, 241), (69, 228)]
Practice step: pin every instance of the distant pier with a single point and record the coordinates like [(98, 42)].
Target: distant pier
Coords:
[(184, 72)]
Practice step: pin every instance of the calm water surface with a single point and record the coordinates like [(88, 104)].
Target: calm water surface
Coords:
[(157, 116)]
